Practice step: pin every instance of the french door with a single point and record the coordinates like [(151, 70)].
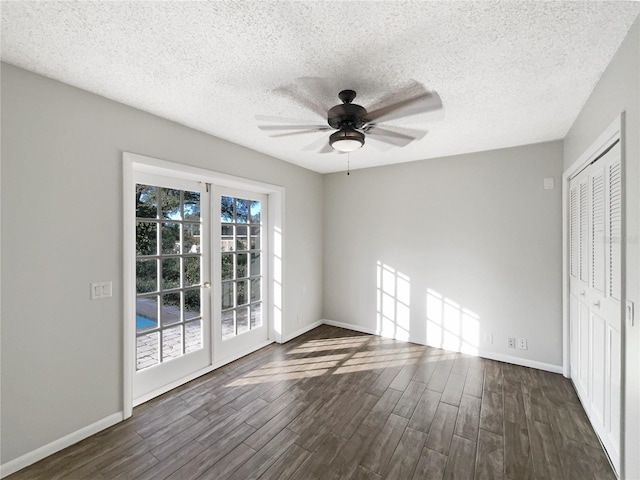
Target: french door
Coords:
[(201, 277), (240, 263), (595, 221), (173, 314)]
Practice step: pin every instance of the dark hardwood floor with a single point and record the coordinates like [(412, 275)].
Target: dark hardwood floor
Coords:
[(336, 404)]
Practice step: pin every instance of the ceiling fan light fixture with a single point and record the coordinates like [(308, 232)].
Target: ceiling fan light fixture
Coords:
[(346, 139)]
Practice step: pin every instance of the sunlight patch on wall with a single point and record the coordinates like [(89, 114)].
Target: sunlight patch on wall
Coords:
[(451, 326), (393, 302)]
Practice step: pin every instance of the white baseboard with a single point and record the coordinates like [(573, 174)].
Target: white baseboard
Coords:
[(38, 454), (300, 331), (523, 362), (348, 326)]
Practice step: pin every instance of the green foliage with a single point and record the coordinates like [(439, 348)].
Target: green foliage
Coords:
[(157, 204)]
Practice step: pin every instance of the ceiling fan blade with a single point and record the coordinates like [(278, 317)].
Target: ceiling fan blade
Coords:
[(316, 144), (318, 128), (394, 138), (388, 140), (299, 98), (394, 131), (420, 103), (297, 132), (381, 146)]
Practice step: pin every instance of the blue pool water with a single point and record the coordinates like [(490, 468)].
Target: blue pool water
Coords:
[(144, 322)]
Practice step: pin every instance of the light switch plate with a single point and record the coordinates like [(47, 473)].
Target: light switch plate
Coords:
[(549, 183), (101, 290)]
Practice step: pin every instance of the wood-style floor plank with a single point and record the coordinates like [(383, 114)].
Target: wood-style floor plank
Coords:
[(286, 464), (430, 466), (490, 456), (405, 457), (468, 420), (336, 404), (384, 445), (442, 428), (425, 411), (461, 461)]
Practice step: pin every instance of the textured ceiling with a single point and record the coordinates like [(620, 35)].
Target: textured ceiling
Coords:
[(508, 73)]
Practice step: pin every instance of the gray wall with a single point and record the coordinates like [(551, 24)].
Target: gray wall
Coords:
[(478, 229), (619, 90), (62, 229)]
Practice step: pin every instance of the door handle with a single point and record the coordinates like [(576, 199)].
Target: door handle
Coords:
[(596, 303), (582, 293), (206, 284)]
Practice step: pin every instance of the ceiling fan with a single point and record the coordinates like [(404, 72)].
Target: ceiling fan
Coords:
[(353, 123)]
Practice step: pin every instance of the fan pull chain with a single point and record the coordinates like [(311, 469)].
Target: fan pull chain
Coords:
[(348, 160)]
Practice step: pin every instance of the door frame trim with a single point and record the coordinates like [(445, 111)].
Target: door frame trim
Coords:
[(615, 131), (275, 300)]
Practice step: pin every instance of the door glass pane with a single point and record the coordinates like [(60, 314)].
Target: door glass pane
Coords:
[(255, 264), (171, 342), (191, 238), (191, 205), (170, 205), (146, 313), (241, 293), (256, 315), (170, 273), (193, 336), (146, 201), (175, 274), (147, 238), (242, 243), (242, 320), (255, 238), (147, 350), (241, 268), (192, 304), (255, 212), (227, 266), (242, 210), (170, 308), (227, 295), (255, 289), (226, 209), (191, 271), (171, 238), (226, 238), (146, 276)]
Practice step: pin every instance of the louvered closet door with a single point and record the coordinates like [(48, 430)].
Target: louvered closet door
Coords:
[(595, 285), (579, 308)]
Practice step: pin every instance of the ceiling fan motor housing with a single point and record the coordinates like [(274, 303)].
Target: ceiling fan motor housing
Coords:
[(348, 114)]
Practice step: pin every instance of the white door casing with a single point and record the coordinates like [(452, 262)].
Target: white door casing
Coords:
[(271, 263)]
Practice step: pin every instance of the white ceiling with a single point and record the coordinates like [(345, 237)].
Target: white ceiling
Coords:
[(508, 73)]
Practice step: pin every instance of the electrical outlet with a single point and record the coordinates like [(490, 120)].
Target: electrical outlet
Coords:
[(511, 342), (298, 318), (488, 337), (522, 343)]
